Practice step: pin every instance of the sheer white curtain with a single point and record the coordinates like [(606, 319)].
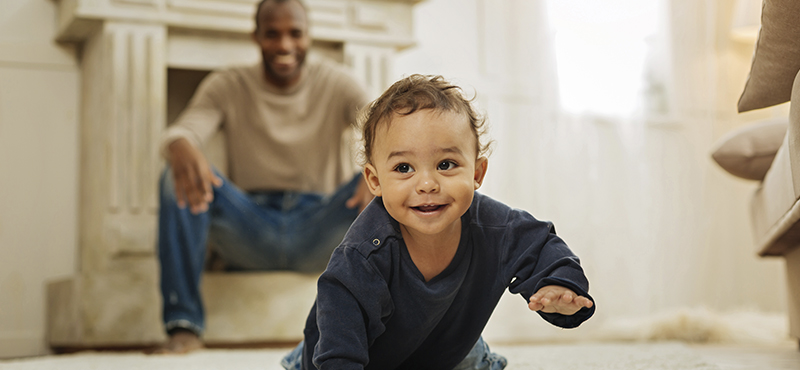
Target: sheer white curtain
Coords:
[(603, 114)]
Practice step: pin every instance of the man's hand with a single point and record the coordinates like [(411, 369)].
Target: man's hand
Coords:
[(361, 197), (558, 299), (193, 176)]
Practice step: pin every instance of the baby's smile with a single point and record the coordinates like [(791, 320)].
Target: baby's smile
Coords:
[(429, 208)]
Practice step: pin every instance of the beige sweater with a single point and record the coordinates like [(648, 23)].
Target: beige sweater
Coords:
[(278, 139)]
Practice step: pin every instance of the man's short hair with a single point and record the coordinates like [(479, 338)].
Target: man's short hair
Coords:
[(262, 2)]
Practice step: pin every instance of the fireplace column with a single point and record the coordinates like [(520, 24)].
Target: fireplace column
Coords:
[(123, 118), (123, 115), (372, 64)]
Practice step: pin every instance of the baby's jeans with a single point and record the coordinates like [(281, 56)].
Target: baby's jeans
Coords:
[(479, 358), (250, 231)]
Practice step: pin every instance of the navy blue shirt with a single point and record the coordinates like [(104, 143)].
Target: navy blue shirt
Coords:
[(374, 309)]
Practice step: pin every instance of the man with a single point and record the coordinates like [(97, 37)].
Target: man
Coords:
[(296, 191)]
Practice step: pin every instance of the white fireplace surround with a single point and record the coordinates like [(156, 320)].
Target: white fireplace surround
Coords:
[(130, 49)]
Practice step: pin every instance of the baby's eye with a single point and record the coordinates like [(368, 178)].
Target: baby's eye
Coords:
[(403, 168), (446, 165)]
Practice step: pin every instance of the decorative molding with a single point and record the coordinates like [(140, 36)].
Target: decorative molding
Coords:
[(152, 3), (371, 64), (327, 13), (237, 8), (370, 16), (124, 114), (384, 22), (137, 110), (196, 50)]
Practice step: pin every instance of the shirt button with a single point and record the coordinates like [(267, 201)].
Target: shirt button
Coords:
[(376, 242)]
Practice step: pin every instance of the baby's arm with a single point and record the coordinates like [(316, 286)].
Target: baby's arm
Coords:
[(558, 299), (352, 299)]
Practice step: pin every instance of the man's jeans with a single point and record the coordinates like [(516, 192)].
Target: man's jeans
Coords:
[(479, 358), (260, 231)]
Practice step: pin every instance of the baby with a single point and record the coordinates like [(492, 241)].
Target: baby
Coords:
[(420, 271)]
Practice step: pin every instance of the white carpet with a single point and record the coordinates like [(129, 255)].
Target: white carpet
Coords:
[(650, 356)]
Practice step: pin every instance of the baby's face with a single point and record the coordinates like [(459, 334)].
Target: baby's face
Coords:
[(424, 166)]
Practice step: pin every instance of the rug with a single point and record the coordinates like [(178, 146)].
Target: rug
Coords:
[(634, 356)]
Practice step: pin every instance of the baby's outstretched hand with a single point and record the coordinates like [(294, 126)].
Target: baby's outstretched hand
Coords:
[(558, 299)]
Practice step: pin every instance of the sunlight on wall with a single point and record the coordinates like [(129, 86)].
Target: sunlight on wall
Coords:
[(601, 49)]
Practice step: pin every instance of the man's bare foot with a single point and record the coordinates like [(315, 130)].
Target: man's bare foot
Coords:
[(180, 341)]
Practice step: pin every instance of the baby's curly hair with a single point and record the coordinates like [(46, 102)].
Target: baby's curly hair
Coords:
[(413, 93)]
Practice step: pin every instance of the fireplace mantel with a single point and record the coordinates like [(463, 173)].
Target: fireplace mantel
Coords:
[(382, 22), (208, 34), (127, 48)]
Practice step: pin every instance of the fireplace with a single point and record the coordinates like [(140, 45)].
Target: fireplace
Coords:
[(140, 61)]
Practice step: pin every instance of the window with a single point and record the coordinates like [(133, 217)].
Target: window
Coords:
[(603, 49)]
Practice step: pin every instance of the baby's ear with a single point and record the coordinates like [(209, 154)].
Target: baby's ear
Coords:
[(373, 183), (480, 171)]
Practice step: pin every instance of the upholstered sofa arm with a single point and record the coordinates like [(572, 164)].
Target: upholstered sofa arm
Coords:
[(775, 207), (793, 134)]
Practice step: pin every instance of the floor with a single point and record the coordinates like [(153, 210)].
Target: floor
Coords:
[(598, 356), (777, 357)]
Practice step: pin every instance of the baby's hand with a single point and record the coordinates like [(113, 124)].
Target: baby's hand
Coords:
[(557, 299)]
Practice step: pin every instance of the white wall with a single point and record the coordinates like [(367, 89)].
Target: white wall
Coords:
[(39, 89)]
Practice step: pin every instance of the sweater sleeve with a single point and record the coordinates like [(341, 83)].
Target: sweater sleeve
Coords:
[(352, 301), (540, 258), (202, 116)]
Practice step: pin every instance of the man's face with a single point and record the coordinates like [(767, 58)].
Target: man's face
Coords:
[(282, 34), (424, 166)]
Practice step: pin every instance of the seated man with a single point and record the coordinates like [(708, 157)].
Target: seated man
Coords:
[(292, 190)]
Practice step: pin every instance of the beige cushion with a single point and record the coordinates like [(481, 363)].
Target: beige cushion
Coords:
[(776, 59), (748, 152)]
